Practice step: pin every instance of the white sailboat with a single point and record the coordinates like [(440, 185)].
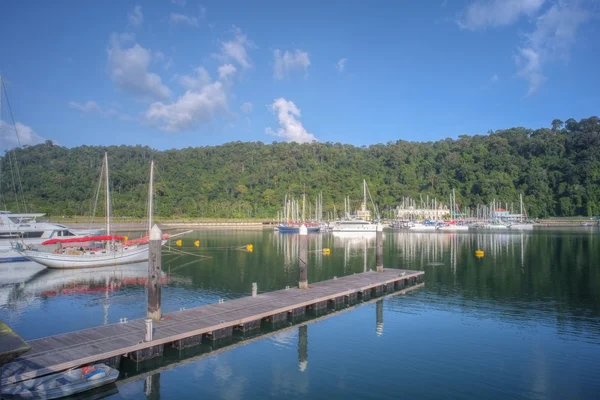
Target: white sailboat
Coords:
[(358, 224), (453, 226), (94, 251), (522, 224)]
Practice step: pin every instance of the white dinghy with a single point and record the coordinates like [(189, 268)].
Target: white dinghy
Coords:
[(62, 384)]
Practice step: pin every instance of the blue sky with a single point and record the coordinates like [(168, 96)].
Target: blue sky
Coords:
[(179, 73)]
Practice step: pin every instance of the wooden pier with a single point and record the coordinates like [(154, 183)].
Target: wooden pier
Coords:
[(190, 327)]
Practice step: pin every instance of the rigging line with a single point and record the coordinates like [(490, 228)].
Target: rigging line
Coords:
[(18, 141), (373, 203)]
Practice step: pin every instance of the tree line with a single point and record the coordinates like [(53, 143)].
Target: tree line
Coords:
[(557, 170)]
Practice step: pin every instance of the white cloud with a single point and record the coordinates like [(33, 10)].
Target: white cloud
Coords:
[(247, 107), (91, 107), (482, 14), (225, 71), (26, 135), (290, 128), (197, 81), (136, 18), (128, 69), (287, 62), (180, 3), (554, 34), (190, 110), (341, 64), (176, 18), (237, 49), (494, 78)]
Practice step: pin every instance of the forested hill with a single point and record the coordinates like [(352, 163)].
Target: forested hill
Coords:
[(557, 170)]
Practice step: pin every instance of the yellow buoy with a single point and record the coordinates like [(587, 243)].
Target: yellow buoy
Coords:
[(125, 238), (179, 243), (197, 243), (249, 247), (327, 251), (479, 253)]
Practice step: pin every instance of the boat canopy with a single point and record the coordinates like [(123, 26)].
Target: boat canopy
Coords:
[(84, 239)]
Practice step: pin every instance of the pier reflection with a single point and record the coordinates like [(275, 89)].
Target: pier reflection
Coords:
[(302, 348), (152, 387)]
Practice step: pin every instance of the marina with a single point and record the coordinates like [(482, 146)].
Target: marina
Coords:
[(104, 298)]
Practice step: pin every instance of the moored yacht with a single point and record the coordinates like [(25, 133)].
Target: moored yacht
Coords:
[(25, 227)]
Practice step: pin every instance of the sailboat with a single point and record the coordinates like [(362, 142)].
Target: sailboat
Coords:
[(522, 224), (452, 226), (358, 223), (93, 251)]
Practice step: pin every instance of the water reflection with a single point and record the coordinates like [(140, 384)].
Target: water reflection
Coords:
[(50, 283), (152, 387)]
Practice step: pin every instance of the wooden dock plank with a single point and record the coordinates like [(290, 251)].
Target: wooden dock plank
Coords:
[(60, 352)]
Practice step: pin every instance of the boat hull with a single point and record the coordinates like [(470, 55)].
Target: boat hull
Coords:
[(454, 228), (66, 261), (367, 228), (521, 227), (422, 228), (295, 229), (59, 385)]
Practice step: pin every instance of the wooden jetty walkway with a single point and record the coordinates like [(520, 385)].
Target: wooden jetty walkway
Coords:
[(189, 327)]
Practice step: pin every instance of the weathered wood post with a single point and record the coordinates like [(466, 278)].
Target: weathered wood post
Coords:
[(302, 348), (379, 251), (254, 289), (303, 257), (154, 274)]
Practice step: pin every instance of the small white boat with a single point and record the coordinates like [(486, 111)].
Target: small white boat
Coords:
[(62, 384), (454, 228)]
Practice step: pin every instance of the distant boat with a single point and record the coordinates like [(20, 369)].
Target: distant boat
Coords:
[(353, 225), (26, 227), (522, 224), (62, 384), (427, 226), (356, 224), (453, 227), (295, 227), (91, 252)]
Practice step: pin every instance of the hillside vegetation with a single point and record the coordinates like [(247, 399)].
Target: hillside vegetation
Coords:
[(557, 170)]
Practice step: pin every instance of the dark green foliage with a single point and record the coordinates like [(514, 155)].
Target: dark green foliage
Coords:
[(557, 170)]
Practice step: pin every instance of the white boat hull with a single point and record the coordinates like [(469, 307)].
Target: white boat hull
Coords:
[(454, 228), (88, 260), (521, 227), (422, 228), (61, 384), (358, 229)]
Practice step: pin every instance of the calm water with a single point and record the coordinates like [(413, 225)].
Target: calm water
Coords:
[(522, 323)]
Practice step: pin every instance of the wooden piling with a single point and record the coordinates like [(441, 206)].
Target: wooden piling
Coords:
[(303, 258), (154, 274), (379, 252)]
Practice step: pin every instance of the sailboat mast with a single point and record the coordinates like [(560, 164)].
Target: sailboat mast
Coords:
[(303, 207), (364, 194), (521, 201), (150, 196), (107, 194)]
